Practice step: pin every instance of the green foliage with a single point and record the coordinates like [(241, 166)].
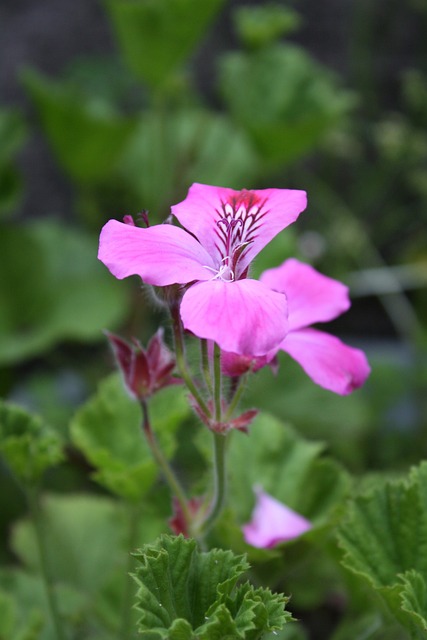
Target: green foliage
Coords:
[(187, 595), (170, 150), (13, 132), (86, 136), (385, 543), (149, 36), (289, 468), (52, 288), (108, 430), (260, 25), (285, 100), (27, 444)]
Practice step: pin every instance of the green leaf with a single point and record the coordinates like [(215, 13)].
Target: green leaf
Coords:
[(13, 132), (157, 36), (107, 429), (87, 137), (385, 542), (283, 98), (287, 467), (184, 594), (84, 536), (179, 148), (52, 288), (27, 444)]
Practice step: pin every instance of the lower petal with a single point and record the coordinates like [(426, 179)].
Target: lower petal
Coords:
[(243, 317), (327, 361), (273, 522)]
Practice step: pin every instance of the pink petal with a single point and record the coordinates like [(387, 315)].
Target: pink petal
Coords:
[(327, 361), (272, 523), (243, 316), (204, 207), (160, 255), (312, 297)]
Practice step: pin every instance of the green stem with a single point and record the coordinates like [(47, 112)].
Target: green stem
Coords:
[(124, 630), (220, 484), (217, 383), (235, 398), (205, 365), (164, 465), (33, 501), (181, 362)]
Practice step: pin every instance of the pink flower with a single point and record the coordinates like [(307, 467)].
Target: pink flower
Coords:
[(223, 231), (312, 297), (273, 522)]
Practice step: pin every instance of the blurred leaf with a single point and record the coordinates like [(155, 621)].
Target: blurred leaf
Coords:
[(261, 25), (157, 36), (27, 444), (12, 135), (16, 622), (285, 100), (107, 429), (385, 543), (287, 467), (170, 151), (83, 535), (184, 594), (52, 288), (86, 136)]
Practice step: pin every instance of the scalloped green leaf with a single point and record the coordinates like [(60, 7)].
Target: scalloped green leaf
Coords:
[(107, 429), (52, 288), (384, 539), (28, 445), (157, 36), (185, 594)]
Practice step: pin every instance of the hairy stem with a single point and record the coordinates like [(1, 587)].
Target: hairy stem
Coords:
[(220, 484), (181, 361), (217, 384), (205, 365)]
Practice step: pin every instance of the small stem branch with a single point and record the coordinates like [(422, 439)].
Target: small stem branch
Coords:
[(33, 501), (181, 362), (217, 383), (235, 398), (164, 465), (205, 365), (220, 484)]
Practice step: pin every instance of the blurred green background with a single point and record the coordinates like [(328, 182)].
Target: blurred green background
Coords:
[(114, 107)]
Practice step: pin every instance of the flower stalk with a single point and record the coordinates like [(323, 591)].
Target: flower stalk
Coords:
[(170, 476)]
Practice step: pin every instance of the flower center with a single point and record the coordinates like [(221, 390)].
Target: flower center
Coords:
[(236, 229)]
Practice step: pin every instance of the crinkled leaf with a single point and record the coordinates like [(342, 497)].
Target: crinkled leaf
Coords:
[(283, 98), (385, 542), (28, 445), (156, 36), (108, 430), (52, 288), (86, 136), (185, 594)]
